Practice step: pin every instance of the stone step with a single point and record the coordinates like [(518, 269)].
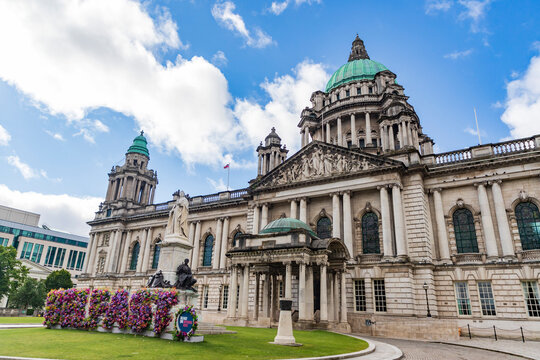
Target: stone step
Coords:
[(211, 329)]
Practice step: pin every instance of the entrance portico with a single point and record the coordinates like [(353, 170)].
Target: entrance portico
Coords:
[(287, 260)]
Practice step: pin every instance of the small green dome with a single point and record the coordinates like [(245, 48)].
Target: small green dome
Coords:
[(355, 70), (284, 225), (139, 145)]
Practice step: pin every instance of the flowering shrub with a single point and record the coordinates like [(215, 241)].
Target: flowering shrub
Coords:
[(99, 303), (164, 300), (53, 306), (117, 310), (140, 310), (73, 310), (182, 335)]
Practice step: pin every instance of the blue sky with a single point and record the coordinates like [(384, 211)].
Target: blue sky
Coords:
[(207, 80)]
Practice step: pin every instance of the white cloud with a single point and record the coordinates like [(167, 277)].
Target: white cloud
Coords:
[(278, 7), (289, 94), (219, 58), (56, 136), (522, 104), (473, 132), (71, 57), (433, 6), (62, 212), (458, 54), (475, 11), (5, 137), (217, 185), (26, 171), (225, 16)]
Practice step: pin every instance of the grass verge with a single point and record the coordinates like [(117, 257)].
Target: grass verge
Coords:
[(21, 320)]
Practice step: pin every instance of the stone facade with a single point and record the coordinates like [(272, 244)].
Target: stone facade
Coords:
[(395, 225)]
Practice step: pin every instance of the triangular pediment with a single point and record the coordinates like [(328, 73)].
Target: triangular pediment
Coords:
[(321, 161)]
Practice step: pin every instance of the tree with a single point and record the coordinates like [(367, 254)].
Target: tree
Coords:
[(31, 293), (59, 279), (12, 272)]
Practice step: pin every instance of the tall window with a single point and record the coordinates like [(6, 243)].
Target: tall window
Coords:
[(27, 250), (205, 297), (528, 220), (134, 256), (465, 232), (72, 259), (347, 93), (359, 295), (324, 228), (208, 247), (3, 241), (236, 238), (36, 255), (155, 258), (379, 295), (59, 260), (462, 298), (370, 234), (487, 301), (225, 300), (80, 261), (51, 252), (532, 299)]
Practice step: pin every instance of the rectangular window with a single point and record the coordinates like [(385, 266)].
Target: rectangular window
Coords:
[(358, 91), (225, 300), (205, 297), (3, 241), (360, 295), (530, 288), (462, 298), (80, 261), (27, 250), (72, 259), (36, 256), (347, 93), (379, 294), (59, 260), (337, 97), (362, 143), (49, 259), (237, 296), (370, 90), (486, 298)]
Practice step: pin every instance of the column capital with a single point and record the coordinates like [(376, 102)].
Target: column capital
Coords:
[(481, 183), (496, 181), (226, 218), (434, 190), (348, 192), (398, 185)]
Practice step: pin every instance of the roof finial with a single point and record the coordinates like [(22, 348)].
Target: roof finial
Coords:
[(358, 51), (142, 132), (273, 129)]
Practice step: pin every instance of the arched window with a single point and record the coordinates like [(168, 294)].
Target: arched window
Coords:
[(134, 256), (465, 231), (528, 220), (208, 247), (370, 234), (235, 238), (155, 258), (324, 228)]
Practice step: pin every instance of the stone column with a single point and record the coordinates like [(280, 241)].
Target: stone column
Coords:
[(224, 243), (141, 250), (386, 225), (294, 209), (257, 296), (288, 280), (331, 305), (303, 210), (339, 133), (266, 295), (405, 135), (231, 304), (310, 306), (146, 258), (323, 294), (391, 143), (302, 138), (245, 292), (255, 219), (125, 253), (487, 223), (399, 227), (217, 246), (368, 130), (196, 246), (400, 135), (336, 221), (264, 216), (336, 297), (409, 133), (328, 132), (113, 246), (307, 136), (343, 318), (91, 254), (191, 240), (259, 163), (240, 291), (382, 132), (444, 251), (347, 222), (274, 297), (502, 220), (263, 170), (302, 292), (354, 139)]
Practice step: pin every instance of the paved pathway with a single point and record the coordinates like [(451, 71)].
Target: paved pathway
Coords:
[(529, 349), (19, 326), (420, 350)]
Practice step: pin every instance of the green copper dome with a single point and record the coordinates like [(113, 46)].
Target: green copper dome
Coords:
[(355, 70), (139, 145), (284, 225)]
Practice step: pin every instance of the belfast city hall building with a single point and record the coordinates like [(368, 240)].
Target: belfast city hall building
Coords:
[(365, 228)]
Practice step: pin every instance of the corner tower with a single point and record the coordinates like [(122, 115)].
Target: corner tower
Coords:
[(132, 185), (271, 154)]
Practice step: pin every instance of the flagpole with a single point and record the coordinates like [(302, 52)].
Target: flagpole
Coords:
[(477, 128), (228, 172)]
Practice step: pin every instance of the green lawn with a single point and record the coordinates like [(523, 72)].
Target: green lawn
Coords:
[(248, 343), (21, 320)]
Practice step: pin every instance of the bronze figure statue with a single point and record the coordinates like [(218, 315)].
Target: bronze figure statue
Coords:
[(185, 277)]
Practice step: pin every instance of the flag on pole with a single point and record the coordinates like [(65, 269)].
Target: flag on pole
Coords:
[(226, 166)]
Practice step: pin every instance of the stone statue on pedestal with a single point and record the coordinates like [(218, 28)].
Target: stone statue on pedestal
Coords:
[(177, 223), (185, 279)]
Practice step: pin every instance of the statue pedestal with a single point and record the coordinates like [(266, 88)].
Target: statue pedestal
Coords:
[(285, 330), (175, 249)]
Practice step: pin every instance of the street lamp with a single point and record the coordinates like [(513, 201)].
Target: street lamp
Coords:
[(427, 301)]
